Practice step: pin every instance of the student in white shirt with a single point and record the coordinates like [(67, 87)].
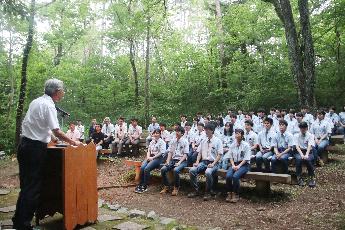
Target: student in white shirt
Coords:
[(219, 131), (292, 122), (120, 139), (81, 130), (153, 126), (210, 152), (322, 131), (239, 160), (195, 125), (183, 120), (305, 142), (265, 139), (198, 137), (306, 116), (134, 134), (154, 158), (334, 119), (108, 130), (341, 129), (283, 143), (227, 140), (72, 132), (251, 137), (176, 161)]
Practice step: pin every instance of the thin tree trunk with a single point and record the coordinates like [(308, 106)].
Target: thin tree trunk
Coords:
[(26, 53), (147, 71), (134, 69), (160, 62), (222, 80), (58, 56), (11, 77)]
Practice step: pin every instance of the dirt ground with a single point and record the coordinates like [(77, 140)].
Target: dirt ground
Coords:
[(288, 206)]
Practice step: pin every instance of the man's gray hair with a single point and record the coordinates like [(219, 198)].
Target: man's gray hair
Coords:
[(52, 85)]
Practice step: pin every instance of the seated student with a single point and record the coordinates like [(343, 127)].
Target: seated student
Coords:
[(259, 122), (183, 120), (265, 139), (292, 122), (334, 119), (91, 130), (97, 137), (240, 116), (153, 126), (341, 129), (176, 160), (154, 158), (283, 143), (305, 142), (195, 125), (189, 135), (307, 117), (236, 123), (72, 132), (165, 134), (81, 130), (219, 131), (108, 130), (272, 113), (250, 137), (120, 136), (210, 152), (321, 130), (284, 114), (227, 139), (200, 118), (197, 139), (240, 163), (134, 135)]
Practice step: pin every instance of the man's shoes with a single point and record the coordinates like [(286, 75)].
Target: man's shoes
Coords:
[(235, 198), (193, 194), (320, 162), (175, 191), (138, 189), (312, 183), (164, 190), (229, 197), (213, 193), (301, 182), (207, 196), (143, 188)]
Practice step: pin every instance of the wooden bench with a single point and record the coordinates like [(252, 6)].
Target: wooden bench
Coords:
[(262, 180), (337, 139)]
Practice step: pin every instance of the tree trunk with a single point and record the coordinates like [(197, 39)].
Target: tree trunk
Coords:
[(11, 77), (308, 54), (58, 56), (301, 57), (134, 69), (26, 53), (222, 80), (147, 71)]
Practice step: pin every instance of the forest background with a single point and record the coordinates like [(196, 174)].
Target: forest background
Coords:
[(137, 58)]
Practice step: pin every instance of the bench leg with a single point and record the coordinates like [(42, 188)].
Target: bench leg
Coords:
[(263, 187)]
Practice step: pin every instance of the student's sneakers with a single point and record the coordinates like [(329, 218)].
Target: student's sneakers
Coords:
[(193, 194), (301, 182), (141, 189), (229, 197), (175, 191), (312, 183), (207, 196), (320, 162), (235, 198), (164, 190)]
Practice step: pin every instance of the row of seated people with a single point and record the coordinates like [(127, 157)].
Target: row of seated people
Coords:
[(211, 155), (119, 135)]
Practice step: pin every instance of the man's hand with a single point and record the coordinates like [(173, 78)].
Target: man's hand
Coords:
[(235, 168), (196, 164), (210, 165), (77, 143)]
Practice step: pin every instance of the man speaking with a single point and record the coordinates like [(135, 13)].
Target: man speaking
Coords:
[(39, 123)]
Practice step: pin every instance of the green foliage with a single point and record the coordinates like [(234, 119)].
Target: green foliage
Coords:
[(96, 69)]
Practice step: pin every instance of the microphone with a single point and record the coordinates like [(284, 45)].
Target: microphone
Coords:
[(63, 112)]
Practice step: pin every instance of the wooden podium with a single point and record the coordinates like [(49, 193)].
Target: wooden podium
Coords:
[(70, 185)]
